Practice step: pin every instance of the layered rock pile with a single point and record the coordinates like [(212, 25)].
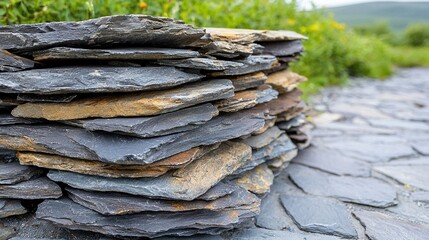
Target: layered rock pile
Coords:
[(151, 126)]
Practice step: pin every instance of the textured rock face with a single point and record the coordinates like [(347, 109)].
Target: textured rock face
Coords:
[(7, 119), (283, 103), (247, 99), (263, 139), (414, 175), (56, 98), (39, 188), (285, 81), (64, 53), (164, 124), (257, 180), (101, 79), (283, 48), (251, 64), (11, 63), (137, 104), (184, 184), (202, 63), (247, 81), (245, 36), (10, 208), (11, 173), (130, 30)]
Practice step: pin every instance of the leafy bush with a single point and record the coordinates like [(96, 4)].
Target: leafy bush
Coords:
[(417, 35)]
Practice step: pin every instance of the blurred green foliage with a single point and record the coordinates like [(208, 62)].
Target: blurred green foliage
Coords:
[(417, 35), (333, 52)]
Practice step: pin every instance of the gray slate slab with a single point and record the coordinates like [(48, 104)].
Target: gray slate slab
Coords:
[(414, 175), (344, 188), (252, 63), (119, 30), (420, 196), (319, 215), (164, 124), (421, 146), (11, 63), (7, 155), (283, 48), (221, 189), (11, 208), (260, 233), (263, 139), (56, 98), (7, 119), (6, 232), (128, 54), (101, 79), (379, 226), (202, 63), (11, 173), (273, 215), (39, 188)]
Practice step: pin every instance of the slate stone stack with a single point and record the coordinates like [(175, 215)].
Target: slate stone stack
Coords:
[(151, 127)]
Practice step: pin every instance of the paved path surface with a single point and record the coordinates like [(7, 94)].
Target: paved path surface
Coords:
[(366, 175)]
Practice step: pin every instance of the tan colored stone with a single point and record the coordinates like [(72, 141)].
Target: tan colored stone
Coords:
[(131, 104), (292, 112), (257, 180), (247, 81), (285, 81), (281, 162), (245, 36), (283, 103)]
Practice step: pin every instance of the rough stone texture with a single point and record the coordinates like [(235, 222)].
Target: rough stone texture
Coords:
[(224, 49), (283, 48), (139, 225), (63, 53), (263, 139), (292, 123), (421, 146), (6, 233), (285, 81), (113, 170), (202, 63), (319, 215), (7, 119), (420, 196), (272, 214), (283, 103), (6, 155), (260, 233), (381, 226), (120, 30), (247, 99), (56, 98), (257, 180), (164, 124), (247, 81), (221, 189), (11, 63), (184, 184), (347, 189), (101, 79), (414, 175), (137, 104), (254, 63), (121, 204), (10, 208), (11, 173), (39, 188), (329, 160), (245, 36), (279, 163)]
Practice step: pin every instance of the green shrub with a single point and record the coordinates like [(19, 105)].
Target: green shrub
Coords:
[(417, 35)]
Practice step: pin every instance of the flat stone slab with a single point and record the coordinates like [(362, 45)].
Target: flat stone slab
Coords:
[(11, 208), (11, 63), (225, 49), (144, 53), (247, 81), (137, 104), (272, 214), (329, 160), (7, 119), (55, 98), (187, 183), (414, 175), (260, 233), (120, 204), (202, 63), (117, 149), (263, 139), (245, 36), (63, 80), (420, 196), (251, 64), (257, 180), (39, 188), (283, 48), (164, 124), (247, 99), (381, 226), (347, 189), (285, 81), (11, 173), (292, 123), (7, 232), (139, 225), (421, 146), (282, 104), (319, 215), (119, 30), (399, 124)]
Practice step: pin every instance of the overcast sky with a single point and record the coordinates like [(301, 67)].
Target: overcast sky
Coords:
[(333, 3)]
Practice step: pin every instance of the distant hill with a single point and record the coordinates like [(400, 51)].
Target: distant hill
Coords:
[(398, 14)]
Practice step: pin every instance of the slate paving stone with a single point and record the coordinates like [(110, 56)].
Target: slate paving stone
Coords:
[(11, 173), (39, 188), (399, 124), (414, 211), (319, 215), (331, 161), (421, 146), (414, 175), (10, 208), (63, 80), (260, 233), (420, 196), (344, 188), (11, 63), (63, 53), (357, 110), (272, 214), (355, 129), (380, 226)]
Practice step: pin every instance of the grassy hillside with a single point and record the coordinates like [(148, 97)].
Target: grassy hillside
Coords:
[(398, 14)]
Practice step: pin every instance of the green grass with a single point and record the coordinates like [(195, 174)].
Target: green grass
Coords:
[(410, 56)]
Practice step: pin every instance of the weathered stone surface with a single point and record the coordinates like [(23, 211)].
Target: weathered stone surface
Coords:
[(414, 175), (202, 63), (63, 53), (225, 49), (39, 188), (354, 129), (6, 232), (263, 139), (64, 80), (7, 119), (272, 214), (113, 170), (221, 189), (421, 146), (257, 180), (285, 81), (251, 80), (381, 226), (7, 155), (120, 204), (292, 123), (164, 124), (137, 104), (279, 163), (291, 113), (260, 233), (184, 184), (11, 63), (399, 124), (420, 196), (347, 189), (55, 98), (283, 48), (11, 173), (319, 215), (254, 63), (78, 143), (329, 160), (63, 213), (7, 102), (120, 30), (283, 103), (11, 208), (245, 36), (247, 99)]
